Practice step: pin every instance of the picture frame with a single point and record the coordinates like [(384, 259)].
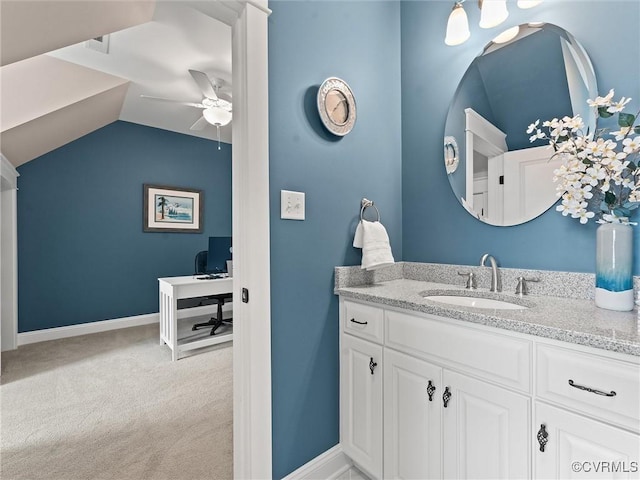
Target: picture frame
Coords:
[(172, 209)]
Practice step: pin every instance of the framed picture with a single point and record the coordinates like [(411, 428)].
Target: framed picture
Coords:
[(172, 209)]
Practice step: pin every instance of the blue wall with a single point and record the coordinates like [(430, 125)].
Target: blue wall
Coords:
[(435, 226), (82, 254), (308, 42)]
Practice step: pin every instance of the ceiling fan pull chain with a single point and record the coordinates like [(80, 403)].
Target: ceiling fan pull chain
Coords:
[(218, 129)]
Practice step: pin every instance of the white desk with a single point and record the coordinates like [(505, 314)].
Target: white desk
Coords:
[(173, 289)]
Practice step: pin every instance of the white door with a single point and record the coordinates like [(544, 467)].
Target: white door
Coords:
[(412, 418), (529, 189), (485, 430), (361, 403), (579, 447)]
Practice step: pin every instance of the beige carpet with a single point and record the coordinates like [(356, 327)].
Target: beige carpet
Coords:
[(113, 406)]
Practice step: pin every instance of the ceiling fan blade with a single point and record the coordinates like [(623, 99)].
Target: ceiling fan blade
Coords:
[(203, 81), (169, 100), (199, 125)]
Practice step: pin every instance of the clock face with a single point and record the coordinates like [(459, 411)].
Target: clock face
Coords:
[(336, 106)]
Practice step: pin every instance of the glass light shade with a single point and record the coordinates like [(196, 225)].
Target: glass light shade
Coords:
[(507, 35), (217, 116), (528, 3), (493, 13), (457, 26)]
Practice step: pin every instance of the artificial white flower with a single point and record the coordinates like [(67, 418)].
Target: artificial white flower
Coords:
[(620, 134), (584, 216), (598, 175), (631, 146), (602, 101), (616, 107)]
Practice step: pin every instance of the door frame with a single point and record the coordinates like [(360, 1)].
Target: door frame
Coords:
[(8, 256), (252, 440)]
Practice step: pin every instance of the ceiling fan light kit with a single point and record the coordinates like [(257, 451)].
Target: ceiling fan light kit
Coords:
[(216, 108), (217, 116)]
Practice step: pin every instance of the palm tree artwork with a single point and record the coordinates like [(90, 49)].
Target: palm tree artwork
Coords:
[(162, 203)]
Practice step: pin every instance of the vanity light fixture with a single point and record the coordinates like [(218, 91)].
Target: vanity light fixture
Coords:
[(492, 14), (457, 26), (528, 3), (508, 35)]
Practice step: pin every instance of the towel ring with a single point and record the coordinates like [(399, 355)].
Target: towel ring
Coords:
[(368, 203)]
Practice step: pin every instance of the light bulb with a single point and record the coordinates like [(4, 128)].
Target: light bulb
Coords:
[(217, 116), (528, 3), (457, 26), (493, 13)]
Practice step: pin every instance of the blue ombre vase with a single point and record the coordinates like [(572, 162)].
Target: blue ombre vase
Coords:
[(614, 260)]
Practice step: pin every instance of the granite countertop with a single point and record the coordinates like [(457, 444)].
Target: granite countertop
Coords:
[(571, 320)]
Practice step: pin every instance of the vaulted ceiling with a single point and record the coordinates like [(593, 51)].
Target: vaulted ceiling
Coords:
[(54, 89)]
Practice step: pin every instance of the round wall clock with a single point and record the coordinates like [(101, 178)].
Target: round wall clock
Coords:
[(336, 106)]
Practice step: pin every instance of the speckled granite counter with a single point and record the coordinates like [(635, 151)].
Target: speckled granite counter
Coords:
[(574, 320)]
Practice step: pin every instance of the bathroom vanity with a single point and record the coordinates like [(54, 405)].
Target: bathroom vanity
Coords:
[(434, 390)]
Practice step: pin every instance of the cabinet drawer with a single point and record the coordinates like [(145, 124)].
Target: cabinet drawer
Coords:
[(363, 321), (487, 354), (557, 366)]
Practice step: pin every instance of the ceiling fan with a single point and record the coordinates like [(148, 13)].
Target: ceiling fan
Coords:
[(216, 107)]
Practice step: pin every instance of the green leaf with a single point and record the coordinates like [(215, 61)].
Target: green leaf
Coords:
[(621, 212), (637, 129), (602, 111), (609, 198), (632, 166), (626, 119)]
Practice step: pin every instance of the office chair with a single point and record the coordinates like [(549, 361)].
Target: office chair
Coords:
[(219, 299)]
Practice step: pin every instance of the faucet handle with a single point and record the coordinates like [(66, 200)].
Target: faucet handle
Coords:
[(521, 287), (471, 280)]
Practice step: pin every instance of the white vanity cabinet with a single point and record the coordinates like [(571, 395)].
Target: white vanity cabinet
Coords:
[(436, 421), (500, 388), (485, 430), (361, 387), (412, 417), (591, 427), (580, 447)]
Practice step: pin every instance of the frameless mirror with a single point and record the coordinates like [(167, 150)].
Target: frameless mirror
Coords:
[(539, 71)]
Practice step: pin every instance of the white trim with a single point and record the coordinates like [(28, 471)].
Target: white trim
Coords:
[(8, 256), (252, 437), (328, 465), (56, 333)]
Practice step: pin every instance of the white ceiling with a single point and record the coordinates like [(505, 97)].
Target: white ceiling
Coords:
[(156, 57), (46, 101)]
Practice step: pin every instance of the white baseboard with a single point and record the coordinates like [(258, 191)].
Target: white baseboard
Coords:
[(105, 325), (326, 466)]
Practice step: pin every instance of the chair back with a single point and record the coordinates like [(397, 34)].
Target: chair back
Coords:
[(201, 262)]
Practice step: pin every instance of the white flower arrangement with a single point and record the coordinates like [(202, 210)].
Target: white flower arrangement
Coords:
[(600, 172)]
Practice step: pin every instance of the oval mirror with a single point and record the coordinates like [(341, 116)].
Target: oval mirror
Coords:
[(538, 71)]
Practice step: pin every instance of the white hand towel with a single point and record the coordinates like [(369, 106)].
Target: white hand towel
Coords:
[(372, 237)]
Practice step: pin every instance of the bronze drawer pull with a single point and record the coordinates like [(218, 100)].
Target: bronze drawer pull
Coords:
[(359, 323), (592, 390)]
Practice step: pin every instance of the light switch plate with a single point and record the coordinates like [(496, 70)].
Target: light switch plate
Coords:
[(291, 205)]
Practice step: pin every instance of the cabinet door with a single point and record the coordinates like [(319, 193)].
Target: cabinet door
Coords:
[(412, 422), (580, 447), (485, 430), (361, 403)]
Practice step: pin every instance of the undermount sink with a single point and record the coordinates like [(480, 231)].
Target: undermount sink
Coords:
[(477, 302)]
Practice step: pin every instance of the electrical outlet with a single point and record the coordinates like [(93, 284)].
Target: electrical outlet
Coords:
[(291, 205)]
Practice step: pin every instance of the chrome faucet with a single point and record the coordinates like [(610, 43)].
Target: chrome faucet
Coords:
[(494, 271)]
